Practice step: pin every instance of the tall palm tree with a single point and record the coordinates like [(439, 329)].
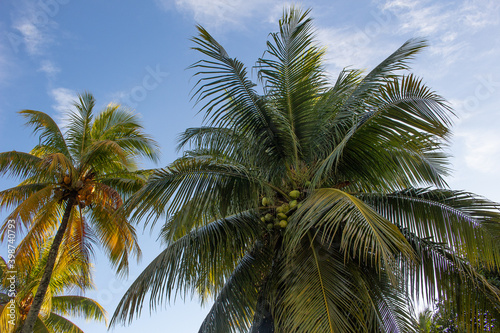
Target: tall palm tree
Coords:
[(71, 271), (313, 207), (74, 182)]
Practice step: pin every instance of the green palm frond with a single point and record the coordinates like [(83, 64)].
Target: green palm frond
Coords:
[(200, 261), (60, 324), (229, 97), (318, 284), (78, 306), (78, 131), (386, 70), (20, 165), (41, 327), (51, 137), (220, 183), (405, 113), (359, 230), (459, 219), (233, 309), (293, 79)]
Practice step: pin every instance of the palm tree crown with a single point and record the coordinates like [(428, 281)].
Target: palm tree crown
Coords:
[(74, 182), (313, 207), (71, 271)]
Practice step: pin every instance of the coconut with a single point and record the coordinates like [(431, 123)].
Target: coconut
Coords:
[(279, 209), (285, 208), (282, 216), (270, 226), (263, 219), (283, 223), (67, 180), (299, 205), (295, 194), (265, 201), (292, 204), (268, 217), (79, 184)]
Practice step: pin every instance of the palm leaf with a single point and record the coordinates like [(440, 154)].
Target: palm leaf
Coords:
[(198, 262)]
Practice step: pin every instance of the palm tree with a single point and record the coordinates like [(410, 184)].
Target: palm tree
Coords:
[(74, 182), (71, 271), (313, 207)]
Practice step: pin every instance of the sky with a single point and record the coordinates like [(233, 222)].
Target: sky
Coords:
[(136, 53)]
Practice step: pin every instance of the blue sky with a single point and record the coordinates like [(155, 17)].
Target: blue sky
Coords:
[(136, 53)]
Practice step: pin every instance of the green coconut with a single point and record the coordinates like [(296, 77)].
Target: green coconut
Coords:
[(285, 207), (282, 216), (292, 204), (295, 194), (270, 226), (263, 219), (268, 217), (279, 209), (265, 201), (283, 223)]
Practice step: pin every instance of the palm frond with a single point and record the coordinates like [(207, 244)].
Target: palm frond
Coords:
[(360, 231), (234, 306), (404, 113), (320, 292), (293, 79), (50, 136), (220, 183), (20, 165), (198, 262), (78, 306), (60, 324), (467, 223), (229, 96)]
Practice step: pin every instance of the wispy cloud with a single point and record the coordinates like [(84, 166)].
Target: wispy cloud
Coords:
[(443, 22), (33, 38), (49, 68), (215, 13), (482, 150), (64, 99), (34, 25), (351, 47)]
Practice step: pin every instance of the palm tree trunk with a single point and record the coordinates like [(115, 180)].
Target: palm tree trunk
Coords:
[(263, 321), (30, 321)]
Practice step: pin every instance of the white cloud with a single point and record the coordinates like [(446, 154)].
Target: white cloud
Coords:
[(216, 13), (447, 24), (33, 38), (352, 47), (482, 150), (49, 68), (426, 17), (64, 99)]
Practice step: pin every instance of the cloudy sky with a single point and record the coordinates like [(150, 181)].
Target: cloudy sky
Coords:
[(136, 53)]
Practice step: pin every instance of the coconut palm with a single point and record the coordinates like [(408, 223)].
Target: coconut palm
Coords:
[(71, 271), (313, 207), (74, 182)]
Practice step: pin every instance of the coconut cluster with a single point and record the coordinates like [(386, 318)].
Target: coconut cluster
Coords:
[(277, 216), (83, 189)]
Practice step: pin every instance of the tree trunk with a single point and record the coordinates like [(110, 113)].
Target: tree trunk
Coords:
[(30, 321), (263, 321)]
